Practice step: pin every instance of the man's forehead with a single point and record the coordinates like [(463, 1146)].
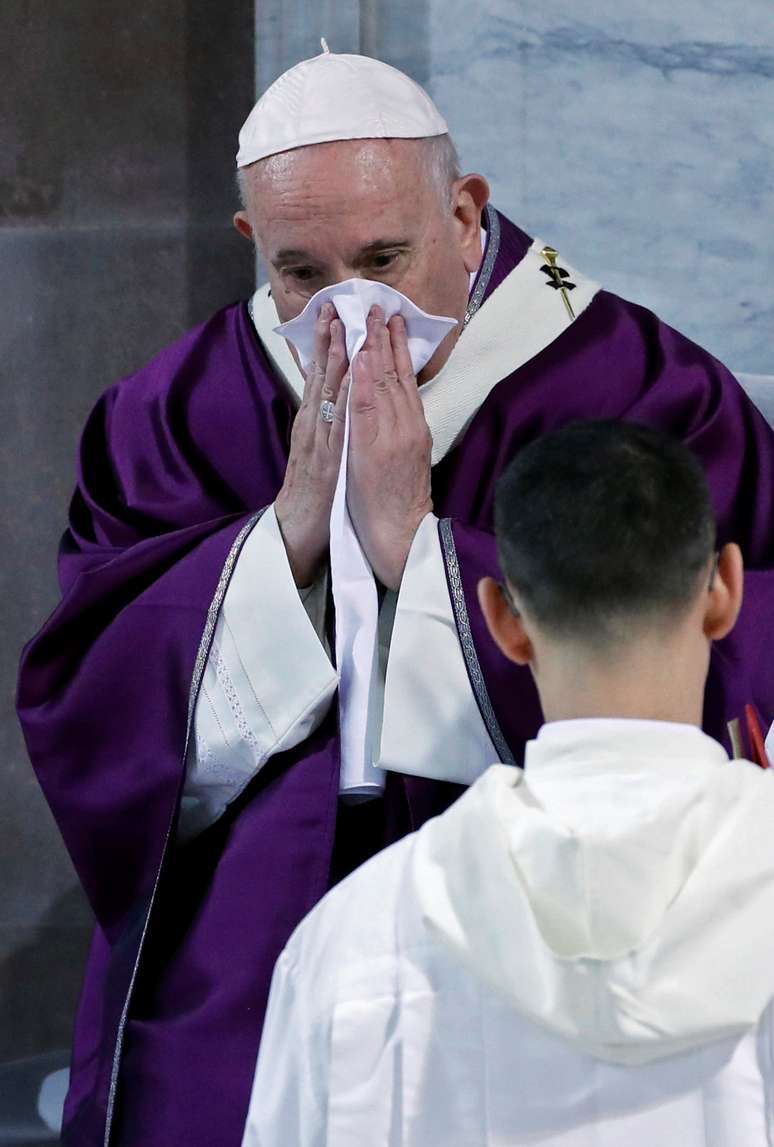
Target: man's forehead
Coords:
[(375, 163), (318, 245), (348, 196)]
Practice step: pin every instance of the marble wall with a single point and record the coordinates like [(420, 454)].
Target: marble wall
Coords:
[(635, 136)]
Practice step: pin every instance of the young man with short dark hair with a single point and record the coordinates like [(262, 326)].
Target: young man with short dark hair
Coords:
[(579, 953)]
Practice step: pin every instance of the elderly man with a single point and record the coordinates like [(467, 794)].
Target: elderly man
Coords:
[(179, 704)]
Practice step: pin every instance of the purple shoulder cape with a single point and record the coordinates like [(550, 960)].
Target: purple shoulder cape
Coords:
[(617, 360), (175, 464)]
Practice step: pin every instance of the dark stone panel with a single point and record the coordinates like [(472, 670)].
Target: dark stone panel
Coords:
[(118, 127), (82, 309), (41, 969), (97, 122), (220, 67), (220, 268), (37, 872), (31, 1091)]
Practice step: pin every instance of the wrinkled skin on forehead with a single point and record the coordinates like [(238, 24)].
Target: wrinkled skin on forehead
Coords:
[(369, 209)]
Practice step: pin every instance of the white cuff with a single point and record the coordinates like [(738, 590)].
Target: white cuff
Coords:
[(314, 599), (268, 681), (431, 725)]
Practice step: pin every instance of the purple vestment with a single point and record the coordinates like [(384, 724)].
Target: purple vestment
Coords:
[(175, 462)]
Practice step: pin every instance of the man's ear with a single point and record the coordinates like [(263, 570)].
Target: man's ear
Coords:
[(471, 195), (507, 629), (724, 599), (242, 224)]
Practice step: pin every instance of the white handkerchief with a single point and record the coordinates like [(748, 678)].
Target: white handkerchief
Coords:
[(354, 588), (353, 300)]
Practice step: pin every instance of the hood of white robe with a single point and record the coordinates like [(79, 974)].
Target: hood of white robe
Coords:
[(619, 892)]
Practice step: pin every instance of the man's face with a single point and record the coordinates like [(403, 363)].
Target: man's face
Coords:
[(365, 209)]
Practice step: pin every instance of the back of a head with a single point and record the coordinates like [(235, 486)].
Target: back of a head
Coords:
[(602, 527)]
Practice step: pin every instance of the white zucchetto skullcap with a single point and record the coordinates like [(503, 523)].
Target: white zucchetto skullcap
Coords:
[(332, 97)]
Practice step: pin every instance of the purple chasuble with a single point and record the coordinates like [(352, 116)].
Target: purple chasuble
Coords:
[(175, 464)]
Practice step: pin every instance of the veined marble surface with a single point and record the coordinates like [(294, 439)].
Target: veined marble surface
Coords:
[(637, 138)]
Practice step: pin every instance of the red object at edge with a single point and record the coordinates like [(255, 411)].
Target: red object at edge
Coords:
[(755, 737)]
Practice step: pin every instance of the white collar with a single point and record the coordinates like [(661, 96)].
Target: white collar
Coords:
[(612, 740)]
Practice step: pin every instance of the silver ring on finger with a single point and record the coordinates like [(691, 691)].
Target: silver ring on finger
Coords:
[(327, 411)]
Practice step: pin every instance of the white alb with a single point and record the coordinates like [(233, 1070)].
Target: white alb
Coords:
[(579, 955)]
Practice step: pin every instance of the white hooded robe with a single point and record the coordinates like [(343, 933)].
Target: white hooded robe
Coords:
[(580, 954)]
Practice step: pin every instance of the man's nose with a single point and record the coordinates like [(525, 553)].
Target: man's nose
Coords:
[(343, 271)]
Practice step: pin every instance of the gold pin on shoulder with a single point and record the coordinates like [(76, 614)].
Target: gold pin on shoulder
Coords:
[(558, 277)]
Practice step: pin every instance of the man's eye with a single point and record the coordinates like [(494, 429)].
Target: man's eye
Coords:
[(384, 259), (303, 274)]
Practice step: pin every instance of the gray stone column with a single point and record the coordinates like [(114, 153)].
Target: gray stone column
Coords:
[(287, 31), (118, 126)]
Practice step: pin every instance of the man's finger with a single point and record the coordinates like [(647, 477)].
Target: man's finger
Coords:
[(336, 365), (402, 358), (384, 378), (363, 410), (308, 416), (378, 345), (331, 385), (389, 374), (315, 375), (336, 436), (331, 433), (374, 317), (363, 398)]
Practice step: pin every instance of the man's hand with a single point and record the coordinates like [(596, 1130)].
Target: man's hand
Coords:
[(303, 505), (388, 486)]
